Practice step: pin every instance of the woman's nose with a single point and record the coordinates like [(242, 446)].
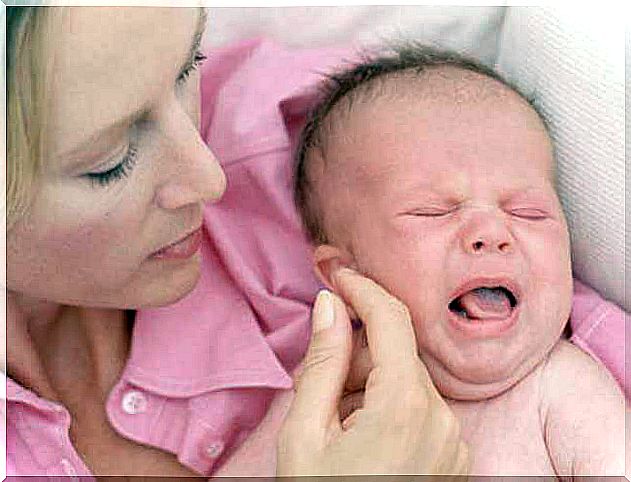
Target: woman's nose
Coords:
[(196, 175), (487, 233)]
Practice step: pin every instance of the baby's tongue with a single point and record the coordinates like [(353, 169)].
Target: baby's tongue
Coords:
[(486, 303)]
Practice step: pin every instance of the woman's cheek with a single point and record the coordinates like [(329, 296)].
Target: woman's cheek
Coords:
[(98, 229)]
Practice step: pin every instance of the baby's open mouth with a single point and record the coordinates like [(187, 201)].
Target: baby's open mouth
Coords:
[(484, 303)]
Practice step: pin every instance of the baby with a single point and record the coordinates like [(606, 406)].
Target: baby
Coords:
[(430, 174)]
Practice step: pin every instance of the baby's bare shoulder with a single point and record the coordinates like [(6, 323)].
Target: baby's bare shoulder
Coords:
[(582, 413), (569, 372)]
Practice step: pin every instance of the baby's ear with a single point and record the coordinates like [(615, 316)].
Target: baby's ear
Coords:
[(327, 259)]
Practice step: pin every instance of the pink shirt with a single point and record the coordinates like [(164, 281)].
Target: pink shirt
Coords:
[(201, 373)]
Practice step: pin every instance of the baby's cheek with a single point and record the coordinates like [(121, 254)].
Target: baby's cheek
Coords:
[(552, 255), (551, 272), (546, 248)]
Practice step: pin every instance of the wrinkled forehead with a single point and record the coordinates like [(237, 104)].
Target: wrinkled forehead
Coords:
[(454, 87), (443, 95), (444, 119)]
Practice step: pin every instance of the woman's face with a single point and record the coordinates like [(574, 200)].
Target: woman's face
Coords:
[(125, 171)]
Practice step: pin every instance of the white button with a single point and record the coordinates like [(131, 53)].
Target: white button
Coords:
[(68, 468), (214, 450), (134, 402)]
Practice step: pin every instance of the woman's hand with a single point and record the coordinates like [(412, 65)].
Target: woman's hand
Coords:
[(404, 426)]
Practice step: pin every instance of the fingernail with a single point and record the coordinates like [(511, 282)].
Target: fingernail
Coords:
[(323, 315)]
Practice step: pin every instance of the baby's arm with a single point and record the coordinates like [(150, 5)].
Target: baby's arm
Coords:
[(583, 415)]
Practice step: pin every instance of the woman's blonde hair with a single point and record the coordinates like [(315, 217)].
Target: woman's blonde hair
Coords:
[(29, 71)]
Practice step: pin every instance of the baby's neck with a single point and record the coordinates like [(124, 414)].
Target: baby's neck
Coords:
[(473, 415)]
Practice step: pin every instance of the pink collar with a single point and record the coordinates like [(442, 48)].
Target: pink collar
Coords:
[(209, 340)]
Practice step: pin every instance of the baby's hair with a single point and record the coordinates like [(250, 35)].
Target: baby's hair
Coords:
[(360, 82)]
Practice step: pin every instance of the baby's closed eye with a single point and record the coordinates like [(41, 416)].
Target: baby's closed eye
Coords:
[(431, 211), (529, 213), (532, 206)]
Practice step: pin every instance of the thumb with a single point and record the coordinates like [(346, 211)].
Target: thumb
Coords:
[(326, 364)]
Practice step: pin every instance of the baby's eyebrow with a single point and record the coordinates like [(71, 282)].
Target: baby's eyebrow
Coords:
[(529, 191), (533, 193), (428, 190)]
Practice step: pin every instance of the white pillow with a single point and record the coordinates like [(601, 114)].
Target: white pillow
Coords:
[(572, 60), (473, 30)]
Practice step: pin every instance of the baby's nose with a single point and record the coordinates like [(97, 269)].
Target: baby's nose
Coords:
[(487, 233), (483, 243)]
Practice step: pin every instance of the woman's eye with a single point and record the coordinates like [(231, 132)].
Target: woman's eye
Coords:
[(119, 171), (198, 59), (529, 213)]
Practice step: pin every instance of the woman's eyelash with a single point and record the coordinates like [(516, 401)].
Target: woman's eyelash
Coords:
[(121, 170), (198, 59)]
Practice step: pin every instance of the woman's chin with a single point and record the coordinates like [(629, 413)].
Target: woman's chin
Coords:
[(171, 285)]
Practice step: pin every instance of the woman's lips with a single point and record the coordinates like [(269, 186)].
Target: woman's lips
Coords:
[(183, 249)]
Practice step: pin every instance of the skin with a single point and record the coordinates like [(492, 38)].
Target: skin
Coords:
[(57, 304), (74, 267), (564, 400), (413, 433), (61, 242), (416, 180)]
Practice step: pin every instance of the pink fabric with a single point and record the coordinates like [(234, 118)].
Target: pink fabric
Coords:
[(202, 372), (598, 328)]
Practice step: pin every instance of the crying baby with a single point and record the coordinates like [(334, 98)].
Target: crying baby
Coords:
[(433, 176)]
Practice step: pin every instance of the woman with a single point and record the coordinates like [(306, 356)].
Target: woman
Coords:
[(107, 175)]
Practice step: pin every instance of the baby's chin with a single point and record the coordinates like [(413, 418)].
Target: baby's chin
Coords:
[(471, 369), (477, 383)]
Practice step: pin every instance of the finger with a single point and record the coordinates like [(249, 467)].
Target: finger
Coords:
[(361, 363), (462, 463), (389, 328), (457, 462), (350, 403), (445, 427), (349, 421), (320, 385)]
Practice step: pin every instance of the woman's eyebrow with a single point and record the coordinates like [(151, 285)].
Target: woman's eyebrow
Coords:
[(98, 140)]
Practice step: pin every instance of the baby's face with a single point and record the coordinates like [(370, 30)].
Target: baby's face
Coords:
[(451, 207)]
